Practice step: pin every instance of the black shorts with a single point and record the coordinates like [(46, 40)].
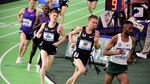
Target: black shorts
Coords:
[(49, 48), (63, 3), (83, 56), (37, 41), (28, 36), (114, 69), (92, 0)]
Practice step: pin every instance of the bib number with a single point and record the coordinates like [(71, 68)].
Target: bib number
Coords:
[(27, 22), (48, 37), (75, 54), (84, 44)]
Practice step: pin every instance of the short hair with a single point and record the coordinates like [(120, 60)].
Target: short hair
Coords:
[(126, 23), (92, 16), (54, 11)]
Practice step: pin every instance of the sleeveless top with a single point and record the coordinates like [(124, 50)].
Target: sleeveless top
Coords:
[(85, 41), (50, 35), (28, 21), (125, 46)]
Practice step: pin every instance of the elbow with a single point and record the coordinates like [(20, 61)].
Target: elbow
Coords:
[(63, 38), (70, 35)]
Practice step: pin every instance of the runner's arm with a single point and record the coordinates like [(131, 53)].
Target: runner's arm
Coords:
[(20, 15)]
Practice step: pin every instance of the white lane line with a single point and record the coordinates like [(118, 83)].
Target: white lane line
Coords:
[(48, 80), (65, 14), (8, 16), (77, 3), (9, 34), (1, 59), (4, 26), (64, 24), (26, 5), (18, 7), (80, 9), (82, 17), (12, 3), (6, 10)]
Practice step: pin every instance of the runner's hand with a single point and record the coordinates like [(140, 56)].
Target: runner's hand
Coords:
[(55, 44), (120, 51), (72, 45)]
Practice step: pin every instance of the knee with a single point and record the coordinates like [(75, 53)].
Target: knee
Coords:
[(124, 82), (93, 7), (82, 71), (89, 7), (23, 44), (44, 66)]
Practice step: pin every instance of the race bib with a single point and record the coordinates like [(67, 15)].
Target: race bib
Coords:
[(124, 57), (27, 22), (48, 37), (84, 44)]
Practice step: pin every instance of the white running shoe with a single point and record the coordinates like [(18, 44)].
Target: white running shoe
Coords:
[(19, 60), (141, 55), (38, 68), (29, 67)]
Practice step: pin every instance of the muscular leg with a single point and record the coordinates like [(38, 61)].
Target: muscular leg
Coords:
[(22, 42), (23, 46), (44, 57), (47, 61), (39, 61), (69, 81), (50, 61), (62, 13), (32, 53), (89, 7), (123, 78), (81, 70), (108, 79), (93, 5)]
